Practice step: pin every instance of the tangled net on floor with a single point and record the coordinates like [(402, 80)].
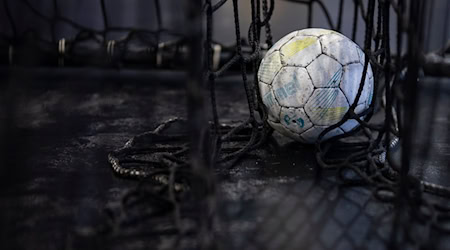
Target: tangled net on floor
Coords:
[(364, 158)]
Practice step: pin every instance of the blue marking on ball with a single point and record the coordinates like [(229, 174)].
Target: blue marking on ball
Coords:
[(299, 121)]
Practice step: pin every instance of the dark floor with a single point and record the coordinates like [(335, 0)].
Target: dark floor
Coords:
[(56, 177)]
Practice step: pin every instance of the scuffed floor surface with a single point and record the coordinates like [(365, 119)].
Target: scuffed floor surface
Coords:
[(56, 180)]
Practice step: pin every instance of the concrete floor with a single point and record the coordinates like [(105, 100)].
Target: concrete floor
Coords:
[(56, 179)]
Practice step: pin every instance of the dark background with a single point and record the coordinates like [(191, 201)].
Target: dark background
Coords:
[(288, 16)]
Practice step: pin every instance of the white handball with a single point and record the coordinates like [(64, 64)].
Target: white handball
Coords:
[(309, 79)]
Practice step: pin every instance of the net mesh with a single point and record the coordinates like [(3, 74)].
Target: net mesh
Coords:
[(178, 164)]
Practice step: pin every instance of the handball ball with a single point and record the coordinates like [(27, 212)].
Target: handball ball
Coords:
[(309, 79)]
